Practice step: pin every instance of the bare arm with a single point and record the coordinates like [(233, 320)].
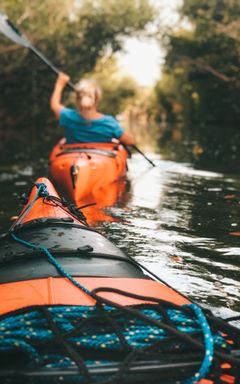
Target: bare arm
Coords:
[(126, 138), (55, 102)]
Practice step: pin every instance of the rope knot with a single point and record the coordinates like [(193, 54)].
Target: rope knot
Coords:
[(42, 190)]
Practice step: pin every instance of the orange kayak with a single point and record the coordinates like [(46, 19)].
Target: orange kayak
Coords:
[(84, 168), (75, 309)]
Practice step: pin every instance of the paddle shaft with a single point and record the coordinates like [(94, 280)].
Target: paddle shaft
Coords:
[(9, 29), (12, 32), (49, 64), (141, 153)]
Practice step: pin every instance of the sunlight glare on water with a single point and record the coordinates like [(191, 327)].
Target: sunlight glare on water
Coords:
[(181, 223), (176, 222)]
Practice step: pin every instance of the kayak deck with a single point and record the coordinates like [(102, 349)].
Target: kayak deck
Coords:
[(75, 309)]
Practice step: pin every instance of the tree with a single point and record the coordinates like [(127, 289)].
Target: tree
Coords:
[(203, 63), (118, 88), (74, 35)]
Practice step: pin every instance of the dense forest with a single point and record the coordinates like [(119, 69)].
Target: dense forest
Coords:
[(198, 88), (198, 92), (78, 37), (202, 69)]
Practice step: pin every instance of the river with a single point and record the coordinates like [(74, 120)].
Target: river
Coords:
[(180, 222)]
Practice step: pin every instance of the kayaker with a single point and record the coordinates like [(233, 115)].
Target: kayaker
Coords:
[(85, 123)]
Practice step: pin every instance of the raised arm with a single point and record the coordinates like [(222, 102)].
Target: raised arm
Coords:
[(56, 98)]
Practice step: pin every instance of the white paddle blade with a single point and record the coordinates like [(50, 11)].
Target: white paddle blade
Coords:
[(8, 29)]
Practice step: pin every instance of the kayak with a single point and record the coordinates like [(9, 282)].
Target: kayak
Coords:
[(75, 309), (83, 168)]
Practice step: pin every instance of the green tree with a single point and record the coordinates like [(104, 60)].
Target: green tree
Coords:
[(74, 35), (118, 88), (202, 64)]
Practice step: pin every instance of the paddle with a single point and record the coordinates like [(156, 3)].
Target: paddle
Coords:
[(9, 30), (141, 153)]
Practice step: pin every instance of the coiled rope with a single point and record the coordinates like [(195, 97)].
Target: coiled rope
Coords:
[(179, 323)]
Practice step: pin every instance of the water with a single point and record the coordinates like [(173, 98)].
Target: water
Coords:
[(177, 222), (180, 222)]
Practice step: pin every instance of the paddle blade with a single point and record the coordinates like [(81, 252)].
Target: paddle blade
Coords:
[(9, 30)]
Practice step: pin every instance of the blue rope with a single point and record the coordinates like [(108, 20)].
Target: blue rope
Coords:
[(131, 333), (52, 261), (42, 191), (209, 346), (32, 327)]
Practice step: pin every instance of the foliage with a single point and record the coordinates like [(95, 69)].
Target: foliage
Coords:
[(118, 89), (202, 71), (74, 35)]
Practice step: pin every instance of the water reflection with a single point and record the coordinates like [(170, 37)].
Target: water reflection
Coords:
[(207, 145), (178, 221), (103, 198)]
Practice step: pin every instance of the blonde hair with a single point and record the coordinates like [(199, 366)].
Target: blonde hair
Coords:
[(88, 93)]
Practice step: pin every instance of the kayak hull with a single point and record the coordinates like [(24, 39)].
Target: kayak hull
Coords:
[(59, 291), (81, 169)]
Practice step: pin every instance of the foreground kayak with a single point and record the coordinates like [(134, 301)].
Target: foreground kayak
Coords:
[(75, 309), (81, 169)]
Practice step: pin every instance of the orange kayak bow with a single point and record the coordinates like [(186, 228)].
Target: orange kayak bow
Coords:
[(75, 309)]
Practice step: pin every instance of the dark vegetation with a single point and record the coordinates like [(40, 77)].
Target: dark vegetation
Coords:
[(199, 88), (201, 82), (202, 72), (75, 36)]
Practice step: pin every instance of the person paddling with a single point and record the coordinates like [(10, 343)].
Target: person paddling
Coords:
[(85, 124)]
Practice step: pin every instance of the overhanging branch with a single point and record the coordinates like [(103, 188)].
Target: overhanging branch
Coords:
[(203, 66)]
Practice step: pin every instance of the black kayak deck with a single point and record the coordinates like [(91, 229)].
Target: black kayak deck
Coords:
[(78, 249)]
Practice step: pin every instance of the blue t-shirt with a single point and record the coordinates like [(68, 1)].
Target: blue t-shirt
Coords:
[(80, 130)]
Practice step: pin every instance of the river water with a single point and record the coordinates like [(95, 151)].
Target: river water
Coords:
[(180, 222)]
